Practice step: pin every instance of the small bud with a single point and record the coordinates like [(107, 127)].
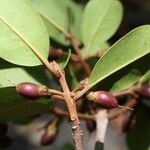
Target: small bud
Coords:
[(145, 90), (55, 53), (50, 134), (31, 90), (103, 99), (48, 138), (91, 125)]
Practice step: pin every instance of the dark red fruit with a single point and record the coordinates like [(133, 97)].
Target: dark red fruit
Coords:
[(103, 99), (55, 53), (31, 90), (91, 125), (50, 133), (145, 90), (48, 138)]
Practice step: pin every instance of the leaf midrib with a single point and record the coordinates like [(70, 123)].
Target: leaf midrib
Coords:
[(52, 22), (98, 25)]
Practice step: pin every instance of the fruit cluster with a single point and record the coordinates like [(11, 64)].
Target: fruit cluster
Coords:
[(103, 99)]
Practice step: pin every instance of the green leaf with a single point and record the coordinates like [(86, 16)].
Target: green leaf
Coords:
[(95, 52), (22, 32), (125, 77), (126, 81), (11, 75), (75, 14), (128, 49), (13, 106), (101, 19), (64, 60), (54, 14)]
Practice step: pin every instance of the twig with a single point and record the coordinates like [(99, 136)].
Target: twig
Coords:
[(58, 97), (54, 92), (74, 44), (54, 68), (77, 135)]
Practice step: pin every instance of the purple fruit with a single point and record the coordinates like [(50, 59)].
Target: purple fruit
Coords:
[(103, 99), (145, 90), (50, 133), (55, 53), (31, 90), (48, 138), (90, 125)]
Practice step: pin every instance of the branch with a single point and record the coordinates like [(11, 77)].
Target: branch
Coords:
[(71, 107), (74, 44), (54, 68), (54, 92)]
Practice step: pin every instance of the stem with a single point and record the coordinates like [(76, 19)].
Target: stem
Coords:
[(58, 97), (72, 40), (74, 44), (54, 68), (81, 93), (71, 107), (53, 91)]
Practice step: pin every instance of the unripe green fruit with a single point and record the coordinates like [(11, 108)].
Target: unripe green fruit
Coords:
[(31, 90), (103, 99), (145, 90)]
